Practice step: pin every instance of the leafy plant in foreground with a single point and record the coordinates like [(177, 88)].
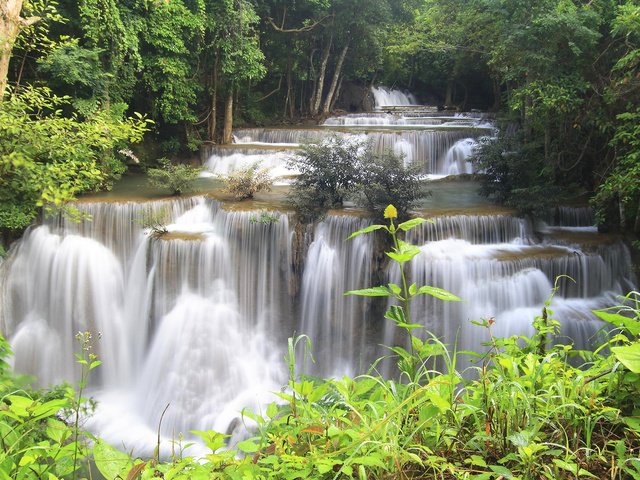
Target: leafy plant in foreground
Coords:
[(402, 253)]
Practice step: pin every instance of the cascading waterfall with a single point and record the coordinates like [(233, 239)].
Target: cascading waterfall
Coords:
[(193, 321), (438, 142), (455, 161), (198, 318), (336, 324), (387, 97), (225, 161)]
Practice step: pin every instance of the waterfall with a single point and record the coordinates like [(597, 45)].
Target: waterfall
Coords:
[(386, 97), (336, 324), (456, 158)]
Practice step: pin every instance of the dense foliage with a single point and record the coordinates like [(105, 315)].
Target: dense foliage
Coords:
[(340, 168), (177, 178), (48, 157)]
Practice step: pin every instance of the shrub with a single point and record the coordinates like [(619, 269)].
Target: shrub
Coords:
[(246, 182), (339, 168), (386, 180), (329, 172), (516, 175), (177, 178)]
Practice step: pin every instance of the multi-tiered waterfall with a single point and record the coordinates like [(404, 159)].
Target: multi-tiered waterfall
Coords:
[(198, 318)]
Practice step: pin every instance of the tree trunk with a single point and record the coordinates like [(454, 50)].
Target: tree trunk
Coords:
[(314, 81), (289, 106), (337, 94), (315, 108), (227, 135), (448, 96), (10, 25), (497, 96), (212, 125), (334, 83)]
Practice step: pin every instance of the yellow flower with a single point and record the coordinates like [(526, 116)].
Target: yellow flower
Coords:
[(390, 212)]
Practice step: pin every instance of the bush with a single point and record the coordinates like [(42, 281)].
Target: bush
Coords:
[(516, 175), (48, 159), (340, 168), (386, 180), (177, 178), (329, 172), (245, 183)]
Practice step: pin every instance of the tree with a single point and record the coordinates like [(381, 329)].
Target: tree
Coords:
[(238, 54), (177, 178), (385, 179), (246, 182), (339, 168), (47, 159), (617, 199), (329, 171), (11, 24)]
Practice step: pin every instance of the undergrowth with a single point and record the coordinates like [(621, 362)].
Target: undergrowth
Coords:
[(528, 409)]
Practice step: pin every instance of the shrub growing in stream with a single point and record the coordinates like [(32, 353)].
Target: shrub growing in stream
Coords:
[(177, 178), (246, 182), (339, 168)]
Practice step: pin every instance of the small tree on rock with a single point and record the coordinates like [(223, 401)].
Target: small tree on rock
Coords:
[(177, 178), (246, 182)]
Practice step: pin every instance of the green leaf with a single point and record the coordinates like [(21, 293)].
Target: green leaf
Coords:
[(573, 468), (111, 463), (49, 408), (633, 423), (395, 289), (371, 460), (404, 252), (414, 222), (630, 324), (272, 410), (629, 356), (410, 326), (368, 229), (371, 292), (248, 446), (212, 439), (395, 313), (438, 293), (505, 472), (476, 460)]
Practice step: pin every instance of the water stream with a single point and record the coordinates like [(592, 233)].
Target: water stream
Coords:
[(198, 319)]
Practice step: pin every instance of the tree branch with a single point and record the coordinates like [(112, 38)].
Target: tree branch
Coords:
[(27, 22), (306, 28)]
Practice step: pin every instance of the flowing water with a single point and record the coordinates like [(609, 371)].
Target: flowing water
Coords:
[(198, 319)]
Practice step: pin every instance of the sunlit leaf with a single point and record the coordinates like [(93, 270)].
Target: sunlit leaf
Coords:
[(371, 292), (630, 324), (111, 462), (368, 229), (414, 222), (438, 293), (629, 356)]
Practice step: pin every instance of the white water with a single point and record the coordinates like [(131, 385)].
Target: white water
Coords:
[(387, 97), (439, 144)]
